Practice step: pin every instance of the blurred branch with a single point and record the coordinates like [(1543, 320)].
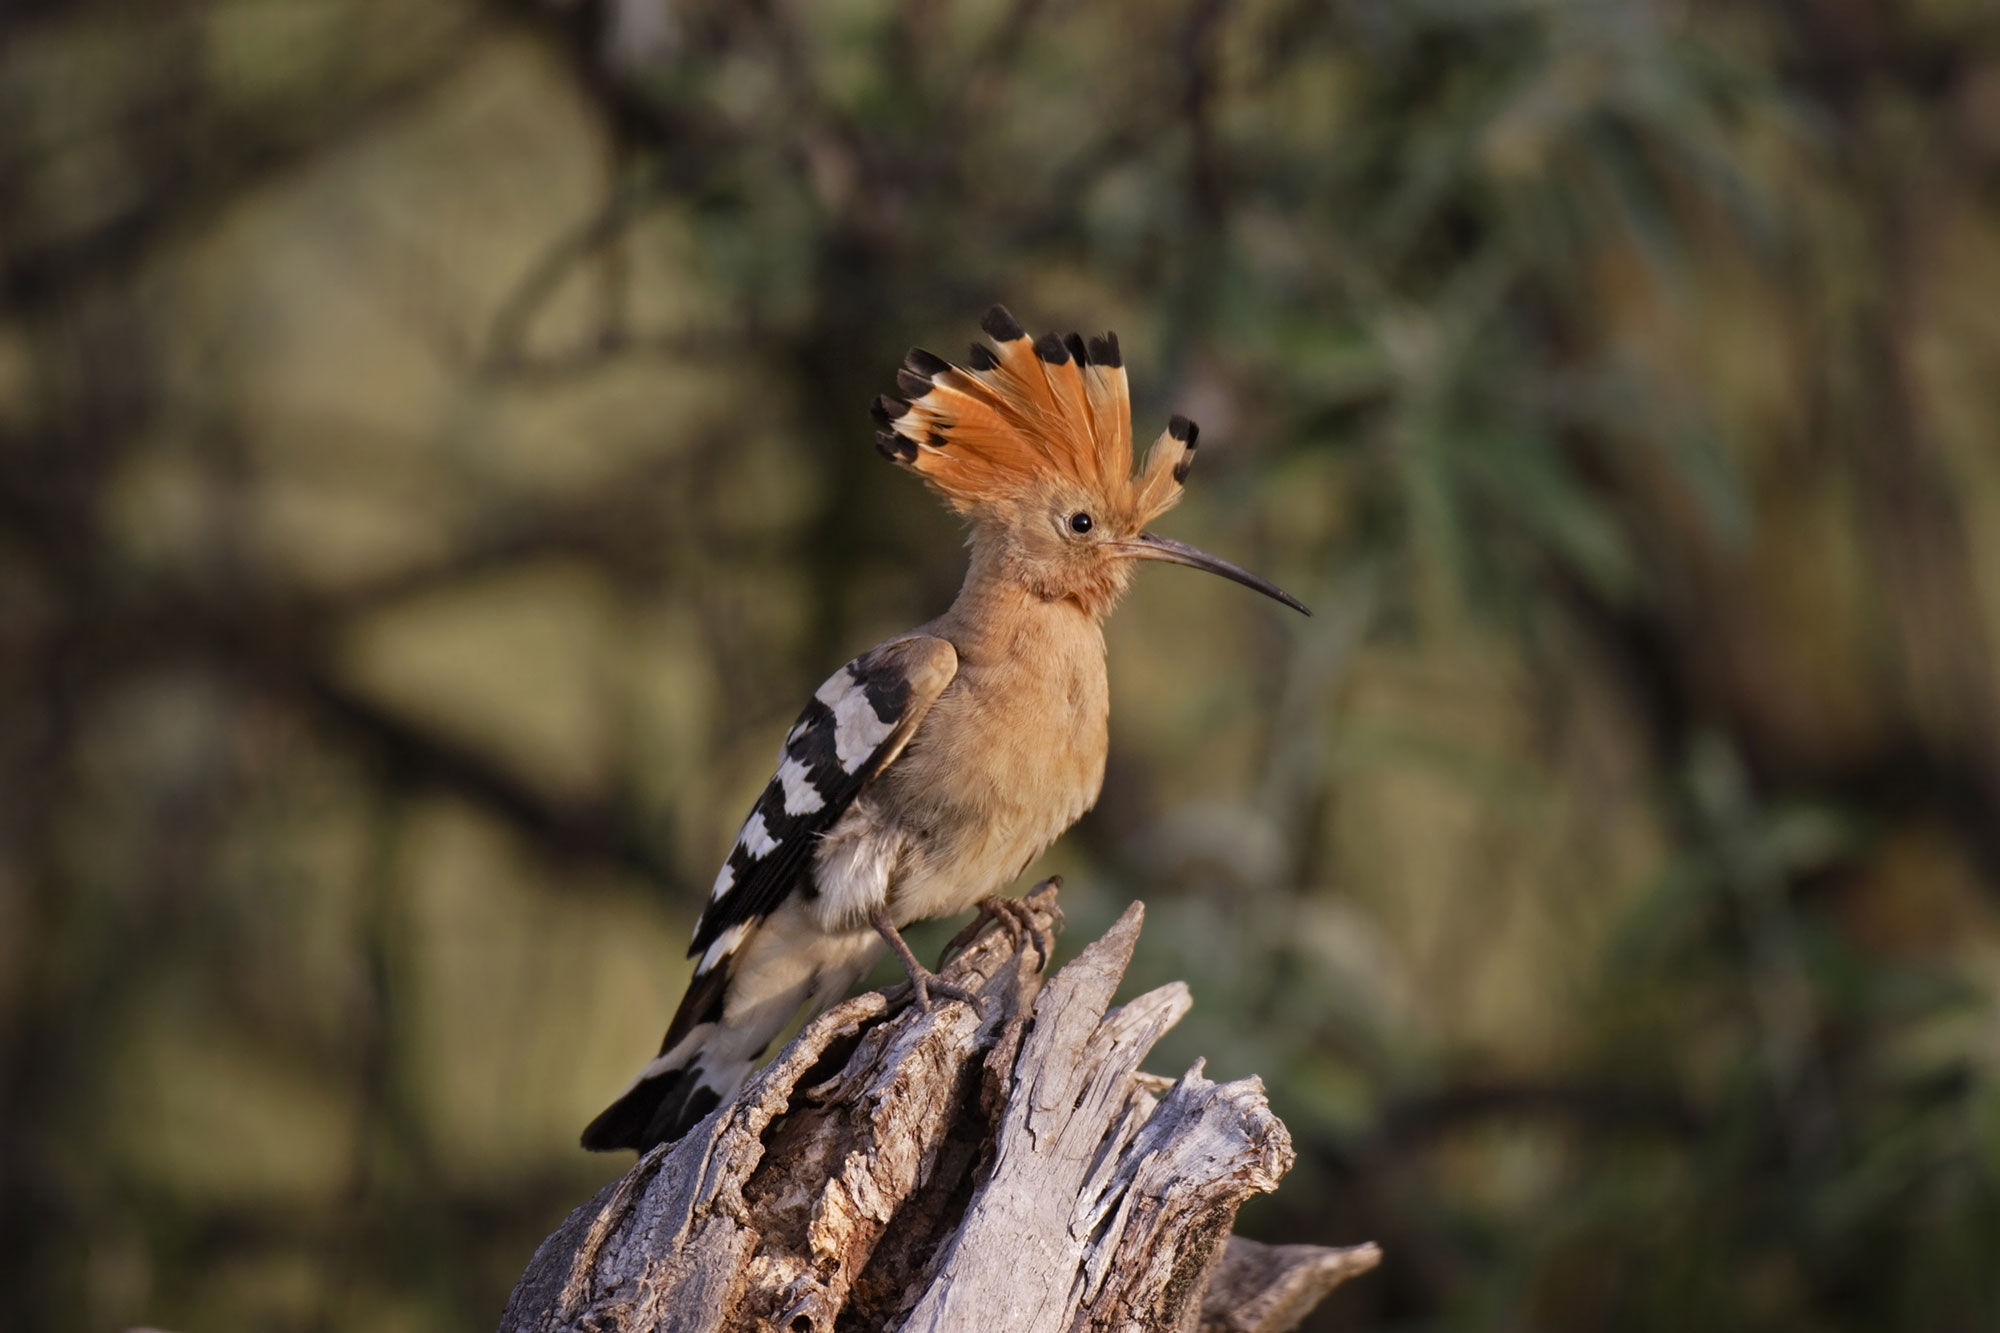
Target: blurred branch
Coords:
[(995, 61), (283, 647), (505, 361), (189, 184), (629, 202), (590, 831)]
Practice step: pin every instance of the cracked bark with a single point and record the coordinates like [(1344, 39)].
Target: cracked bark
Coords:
[(1010, 1169)]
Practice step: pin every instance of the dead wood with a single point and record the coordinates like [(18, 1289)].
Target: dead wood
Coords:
[(1009, 1169)]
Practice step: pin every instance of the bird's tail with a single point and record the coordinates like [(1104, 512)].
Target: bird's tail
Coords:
[(748, 986), (701, 1064)]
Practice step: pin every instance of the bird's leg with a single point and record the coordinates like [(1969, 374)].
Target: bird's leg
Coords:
[(1015, 917), (923, 981)]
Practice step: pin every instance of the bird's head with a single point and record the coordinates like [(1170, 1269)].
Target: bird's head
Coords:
[(1032, 440)]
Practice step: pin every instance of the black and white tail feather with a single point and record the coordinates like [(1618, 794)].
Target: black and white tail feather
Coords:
[(856, 725)]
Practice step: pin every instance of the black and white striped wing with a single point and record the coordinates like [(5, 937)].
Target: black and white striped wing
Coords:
[(855, 726)]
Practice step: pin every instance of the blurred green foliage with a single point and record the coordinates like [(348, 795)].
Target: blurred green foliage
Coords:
[(434, 464)]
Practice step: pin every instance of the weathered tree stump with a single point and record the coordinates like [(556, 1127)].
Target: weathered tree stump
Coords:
[(1009, 1169)]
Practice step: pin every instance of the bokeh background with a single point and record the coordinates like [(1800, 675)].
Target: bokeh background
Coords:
[(434, 467)]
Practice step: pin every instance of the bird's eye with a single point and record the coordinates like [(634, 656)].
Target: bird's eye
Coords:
[(1079, 522)]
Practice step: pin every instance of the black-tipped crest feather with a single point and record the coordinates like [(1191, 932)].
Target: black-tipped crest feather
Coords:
[(1001, 326), (1024, 412), (927, 364)]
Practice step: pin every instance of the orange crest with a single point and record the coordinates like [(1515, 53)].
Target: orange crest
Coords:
[(1032, 412)]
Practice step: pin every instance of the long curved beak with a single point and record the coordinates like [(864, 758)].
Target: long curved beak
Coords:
[(1147, 546)]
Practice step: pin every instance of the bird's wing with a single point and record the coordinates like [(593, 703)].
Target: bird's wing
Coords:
[(855, 726)]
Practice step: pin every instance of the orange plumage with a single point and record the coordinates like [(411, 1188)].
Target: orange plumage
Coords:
[(1028, 414)]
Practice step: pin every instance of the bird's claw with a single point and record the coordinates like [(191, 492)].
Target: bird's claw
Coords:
[(924, 983), (1015, 917), (929, 988)]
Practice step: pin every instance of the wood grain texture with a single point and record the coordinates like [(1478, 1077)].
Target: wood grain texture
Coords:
[(1006, 1169)]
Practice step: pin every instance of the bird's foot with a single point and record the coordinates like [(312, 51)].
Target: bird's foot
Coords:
[(1017, 918), (928, 987)]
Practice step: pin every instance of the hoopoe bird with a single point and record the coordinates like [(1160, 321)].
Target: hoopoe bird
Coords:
[(926, 774)]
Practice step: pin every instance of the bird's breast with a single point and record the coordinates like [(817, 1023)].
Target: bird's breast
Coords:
[(1011, 755)]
